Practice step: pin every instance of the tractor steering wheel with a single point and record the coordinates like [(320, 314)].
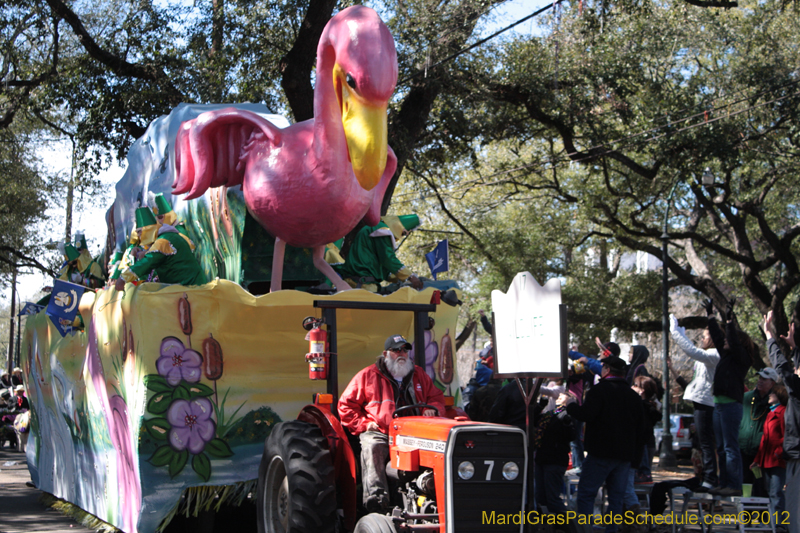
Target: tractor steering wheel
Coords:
[(413, 406)]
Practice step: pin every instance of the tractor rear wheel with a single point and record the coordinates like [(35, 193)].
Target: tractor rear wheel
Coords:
[(296, 482), (375, 523)]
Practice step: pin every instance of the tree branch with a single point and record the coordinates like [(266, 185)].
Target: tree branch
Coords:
[(116, 64)]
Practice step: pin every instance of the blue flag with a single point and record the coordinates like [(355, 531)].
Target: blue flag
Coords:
[(439, 258), (30, 308), (63, 305)]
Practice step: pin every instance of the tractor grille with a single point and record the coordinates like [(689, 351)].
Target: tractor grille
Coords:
[(487, 492)]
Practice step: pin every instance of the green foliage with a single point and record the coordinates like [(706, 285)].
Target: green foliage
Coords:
[(24, 197), (565, 147)]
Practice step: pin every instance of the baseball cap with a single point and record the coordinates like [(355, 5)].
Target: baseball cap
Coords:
[(769, 373), (395, 342), (614, 363), (612, 347)]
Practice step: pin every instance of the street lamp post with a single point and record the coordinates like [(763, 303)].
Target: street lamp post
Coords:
[(666, 456)]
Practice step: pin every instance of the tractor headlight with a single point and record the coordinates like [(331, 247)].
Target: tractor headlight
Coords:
[(466, 470), (510, 471)]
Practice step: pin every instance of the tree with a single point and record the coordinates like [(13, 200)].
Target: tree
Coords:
[(580, 134), (23, 201), (623, 104)]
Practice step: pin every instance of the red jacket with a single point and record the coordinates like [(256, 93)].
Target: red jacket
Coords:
[(371, 397), (770, 452)]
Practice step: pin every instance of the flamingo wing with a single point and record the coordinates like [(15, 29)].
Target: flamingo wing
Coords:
[(210, 150)]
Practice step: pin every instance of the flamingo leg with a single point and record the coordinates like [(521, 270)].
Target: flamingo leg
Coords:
[(277, 265), (319, 261)]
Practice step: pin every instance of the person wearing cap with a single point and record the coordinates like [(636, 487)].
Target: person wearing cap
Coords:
[(166, 216), (16, 377), (5, 380), (788, 369), (170, 255), (69, 268), (756, 407), (595, 365), (368, 403), (22, 401), (372, 258), (615, 437), (128, 258), (88, 268), (770, 451)]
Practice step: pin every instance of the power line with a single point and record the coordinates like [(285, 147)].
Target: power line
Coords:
[(482, 41), (567, 159)]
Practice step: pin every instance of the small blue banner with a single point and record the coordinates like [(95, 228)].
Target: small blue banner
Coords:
[(63, 305), (30, 308), (439, 258)]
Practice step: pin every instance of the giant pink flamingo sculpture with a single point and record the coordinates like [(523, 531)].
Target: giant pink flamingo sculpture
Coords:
[(312, 182)]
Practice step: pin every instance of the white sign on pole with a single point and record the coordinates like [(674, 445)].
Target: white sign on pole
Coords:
[(528, 328)]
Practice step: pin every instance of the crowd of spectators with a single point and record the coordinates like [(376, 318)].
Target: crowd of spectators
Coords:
[(601, 419), (13, 404)]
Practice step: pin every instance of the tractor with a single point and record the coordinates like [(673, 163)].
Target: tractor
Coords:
[(446, 474)]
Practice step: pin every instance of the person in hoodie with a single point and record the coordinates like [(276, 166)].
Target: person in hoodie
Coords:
[(368, 403), (700, 392), (789, 371), (734, 348), (637, 359)]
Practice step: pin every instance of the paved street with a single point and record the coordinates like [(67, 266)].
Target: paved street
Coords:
[(20, 510)]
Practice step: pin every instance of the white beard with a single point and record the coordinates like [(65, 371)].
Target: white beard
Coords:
[(400, 367)]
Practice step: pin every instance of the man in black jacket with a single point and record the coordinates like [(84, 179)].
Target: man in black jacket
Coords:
[(614, 438), (789, 370)]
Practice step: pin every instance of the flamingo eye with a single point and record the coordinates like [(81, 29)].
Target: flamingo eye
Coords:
[(350, 81)]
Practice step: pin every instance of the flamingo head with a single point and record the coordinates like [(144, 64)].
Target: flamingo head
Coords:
[(364, 77)]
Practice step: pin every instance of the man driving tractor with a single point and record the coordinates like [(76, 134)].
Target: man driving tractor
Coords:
[(368, 404)]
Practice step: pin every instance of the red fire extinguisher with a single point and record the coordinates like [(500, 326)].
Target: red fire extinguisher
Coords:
[(317, 355)]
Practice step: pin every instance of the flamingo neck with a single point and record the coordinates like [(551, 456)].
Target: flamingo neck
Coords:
[(328, 129)]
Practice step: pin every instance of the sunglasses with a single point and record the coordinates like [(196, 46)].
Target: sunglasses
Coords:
[(398, 350)]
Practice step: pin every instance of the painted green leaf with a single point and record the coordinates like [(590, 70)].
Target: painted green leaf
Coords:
[(180, 392), (218, 448), (199, 390), (162, 456), (157, 383), (158, 428), (159, 403), (179, 460), (202, 466)]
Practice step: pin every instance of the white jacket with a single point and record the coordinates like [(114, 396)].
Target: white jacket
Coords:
[(701, 388)]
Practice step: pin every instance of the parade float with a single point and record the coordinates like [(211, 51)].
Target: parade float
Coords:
[(162, 402)]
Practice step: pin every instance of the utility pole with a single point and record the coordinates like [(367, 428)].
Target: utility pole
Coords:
[(13, 310)]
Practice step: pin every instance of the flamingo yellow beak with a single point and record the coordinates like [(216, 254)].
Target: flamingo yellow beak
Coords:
[(366, 131)]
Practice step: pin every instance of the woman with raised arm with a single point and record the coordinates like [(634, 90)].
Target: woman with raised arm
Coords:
[(735, 356), (700, 391)]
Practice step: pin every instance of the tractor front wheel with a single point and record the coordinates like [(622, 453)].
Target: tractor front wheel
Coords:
[(296, 482), (375, 523)]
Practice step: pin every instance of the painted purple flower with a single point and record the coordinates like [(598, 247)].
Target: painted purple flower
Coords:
[(178, 362), (192, 425)]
